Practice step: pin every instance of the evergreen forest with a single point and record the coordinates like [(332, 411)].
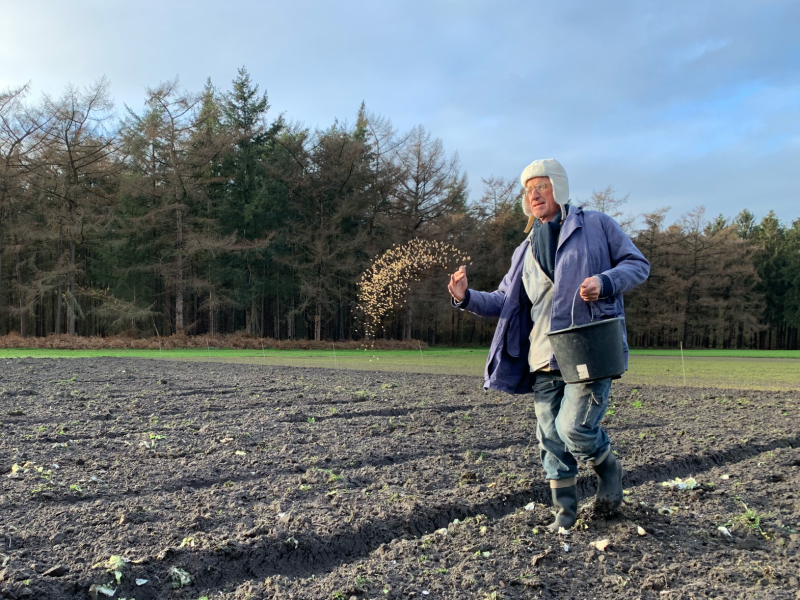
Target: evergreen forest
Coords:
[(205, 213)]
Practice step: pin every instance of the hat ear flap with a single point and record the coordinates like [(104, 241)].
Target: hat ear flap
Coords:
[(531, 219)]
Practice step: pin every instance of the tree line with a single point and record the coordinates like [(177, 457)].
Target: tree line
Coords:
[(201, 213)]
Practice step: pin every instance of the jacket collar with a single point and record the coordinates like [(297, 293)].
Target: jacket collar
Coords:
[(573, 221)]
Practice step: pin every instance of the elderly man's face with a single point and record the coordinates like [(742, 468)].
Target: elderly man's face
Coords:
[(540, 198)]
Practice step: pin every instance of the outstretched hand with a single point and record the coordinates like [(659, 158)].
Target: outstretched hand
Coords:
[(458, 284)]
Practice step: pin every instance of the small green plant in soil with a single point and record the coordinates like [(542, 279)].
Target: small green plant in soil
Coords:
[(749, 519), (114, 565), (180, 578)]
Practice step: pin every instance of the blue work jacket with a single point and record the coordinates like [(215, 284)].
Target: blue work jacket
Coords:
[(590, 243)]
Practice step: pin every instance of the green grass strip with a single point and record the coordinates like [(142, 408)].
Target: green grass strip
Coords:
[(441, 352), (761, 370), (719, 353)]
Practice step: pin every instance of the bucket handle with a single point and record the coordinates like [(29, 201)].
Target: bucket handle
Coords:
[(575, 297)]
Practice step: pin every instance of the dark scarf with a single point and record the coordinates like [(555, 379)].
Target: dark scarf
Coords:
[(545, 241)]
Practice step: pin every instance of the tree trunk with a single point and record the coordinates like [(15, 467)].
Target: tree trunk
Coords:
[(211, 327), (253, 327), (1, 263), (59, 291), (72, 306), (318, 322), (276, 318), (686, 310), (23, 321), (194, 303), (179, 282), (342, 318), (290, 322)]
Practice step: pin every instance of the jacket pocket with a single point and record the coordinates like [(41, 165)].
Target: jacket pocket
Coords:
[(542, 385), (511, 336)]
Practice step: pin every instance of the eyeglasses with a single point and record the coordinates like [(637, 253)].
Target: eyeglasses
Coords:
[(539, 187)]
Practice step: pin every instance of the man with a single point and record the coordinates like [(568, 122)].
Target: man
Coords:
[(567, 249)]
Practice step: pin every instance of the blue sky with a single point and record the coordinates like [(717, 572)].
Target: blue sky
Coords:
[(680, 104)]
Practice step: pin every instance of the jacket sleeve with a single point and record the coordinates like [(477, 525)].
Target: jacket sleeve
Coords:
[(629, 267), (490, 304)]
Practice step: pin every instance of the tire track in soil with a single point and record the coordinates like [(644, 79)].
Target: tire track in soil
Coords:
[(389, 412), (197, 484), (316, 554)]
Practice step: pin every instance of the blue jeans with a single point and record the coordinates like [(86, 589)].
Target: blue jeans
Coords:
[(568, 423)]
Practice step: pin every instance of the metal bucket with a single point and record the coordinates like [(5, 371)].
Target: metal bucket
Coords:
[(589, 352)]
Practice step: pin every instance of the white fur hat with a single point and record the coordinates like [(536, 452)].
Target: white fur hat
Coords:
[(546, 167)]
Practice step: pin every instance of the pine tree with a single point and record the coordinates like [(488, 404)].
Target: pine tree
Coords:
[(250, 205)]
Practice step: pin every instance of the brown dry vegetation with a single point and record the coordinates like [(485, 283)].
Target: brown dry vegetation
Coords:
[(235, 341)]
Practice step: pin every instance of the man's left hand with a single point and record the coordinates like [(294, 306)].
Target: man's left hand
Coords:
[(591, 288)]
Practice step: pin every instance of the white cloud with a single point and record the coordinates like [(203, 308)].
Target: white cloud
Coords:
[(624, 93)]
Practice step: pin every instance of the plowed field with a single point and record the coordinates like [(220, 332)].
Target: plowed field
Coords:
[(151, 479)]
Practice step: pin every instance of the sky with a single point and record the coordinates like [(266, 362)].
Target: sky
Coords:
[(678, 104)]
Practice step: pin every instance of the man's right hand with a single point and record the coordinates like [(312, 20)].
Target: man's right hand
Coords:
[(458, 284)]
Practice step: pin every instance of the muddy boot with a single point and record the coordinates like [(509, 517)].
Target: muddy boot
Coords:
[(609, 486), (565, 499)]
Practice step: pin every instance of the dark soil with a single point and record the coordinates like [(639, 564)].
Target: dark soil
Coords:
[(242, 481)]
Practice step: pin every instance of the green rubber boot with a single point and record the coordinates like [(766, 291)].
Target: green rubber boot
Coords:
[(565, 499), (609, 486)]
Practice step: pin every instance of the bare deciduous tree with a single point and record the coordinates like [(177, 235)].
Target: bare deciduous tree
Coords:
[(75, 172), (432, 184)]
